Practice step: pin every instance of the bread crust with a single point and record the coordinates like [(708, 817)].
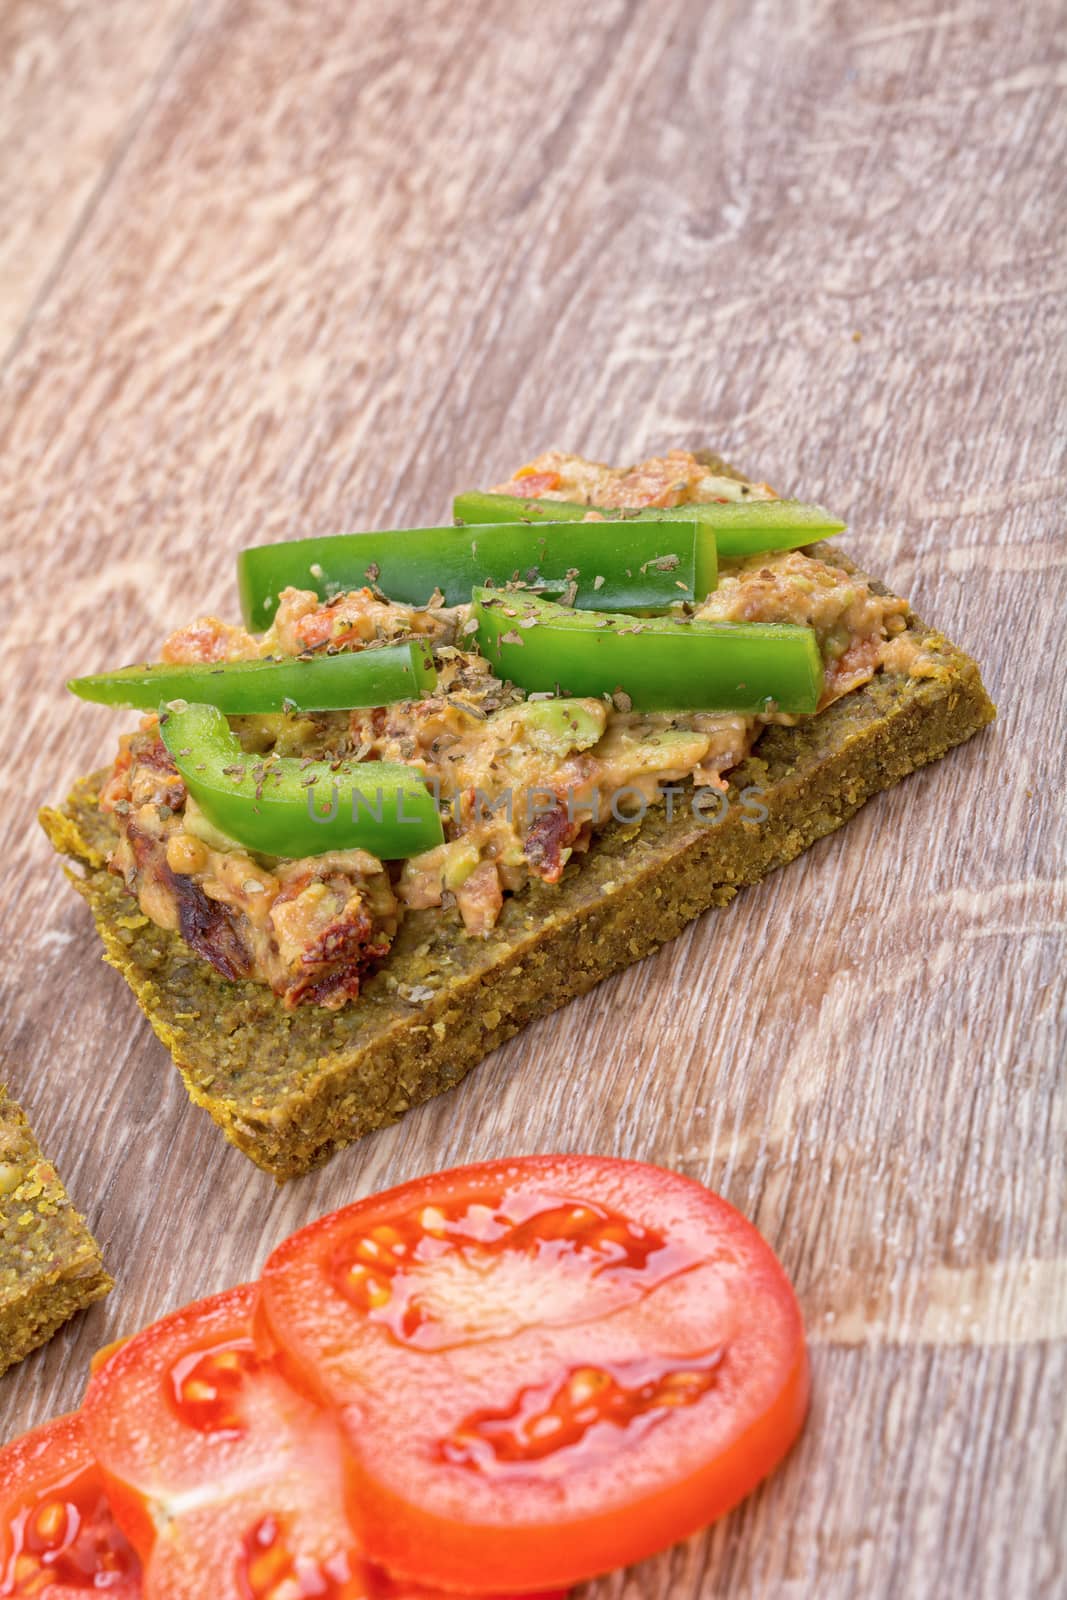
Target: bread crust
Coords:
[(291, 1088)]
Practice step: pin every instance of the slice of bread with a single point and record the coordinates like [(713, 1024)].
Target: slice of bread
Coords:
[(50, 1264), (290, 1088)]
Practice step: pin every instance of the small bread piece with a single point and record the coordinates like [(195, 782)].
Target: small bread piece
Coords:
[(50, 1264), (290, 1088)]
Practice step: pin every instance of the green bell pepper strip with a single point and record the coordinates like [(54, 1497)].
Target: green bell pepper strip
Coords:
[(633, 568), (741, 527), (660, 663), (282, 806), (375, 677)]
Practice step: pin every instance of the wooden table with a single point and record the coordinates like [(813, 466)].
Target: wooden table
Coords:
[(269, 269)]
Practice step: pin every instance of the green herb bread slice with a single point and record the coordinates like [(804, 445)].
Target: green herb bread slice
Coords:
[(50, 1264), (289, 1088)]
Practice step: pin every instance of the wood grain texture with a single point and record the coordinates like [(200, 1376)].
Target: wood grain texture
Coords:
[(75, 81), (356, 256)]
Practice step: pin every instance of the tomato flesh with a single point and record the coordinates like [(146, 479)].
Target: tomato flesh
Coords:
[(544, 1368), (57, 1534), (226, 1480)]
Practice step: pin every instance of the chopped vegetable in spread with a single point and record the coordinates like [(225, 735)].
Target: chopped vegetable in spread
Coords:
[(851, 622)]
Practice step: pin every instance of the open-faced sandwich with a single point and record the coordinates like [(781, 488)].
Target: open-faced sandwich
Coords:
[(442, 780)]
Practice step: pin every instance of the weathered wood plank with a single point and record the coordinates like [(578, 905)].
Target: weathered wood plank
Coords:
[(349, 263), (75, 81)]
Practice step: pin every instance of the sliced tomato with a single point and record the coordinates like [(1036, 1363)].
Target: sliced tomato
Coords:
[(225, 1479), (545, 1367), (57, 1534)]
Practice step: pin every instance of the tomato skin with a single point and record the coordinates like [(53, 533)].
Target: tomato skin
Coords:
[(383, 1586), (544, 1368), (54, 1518)]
